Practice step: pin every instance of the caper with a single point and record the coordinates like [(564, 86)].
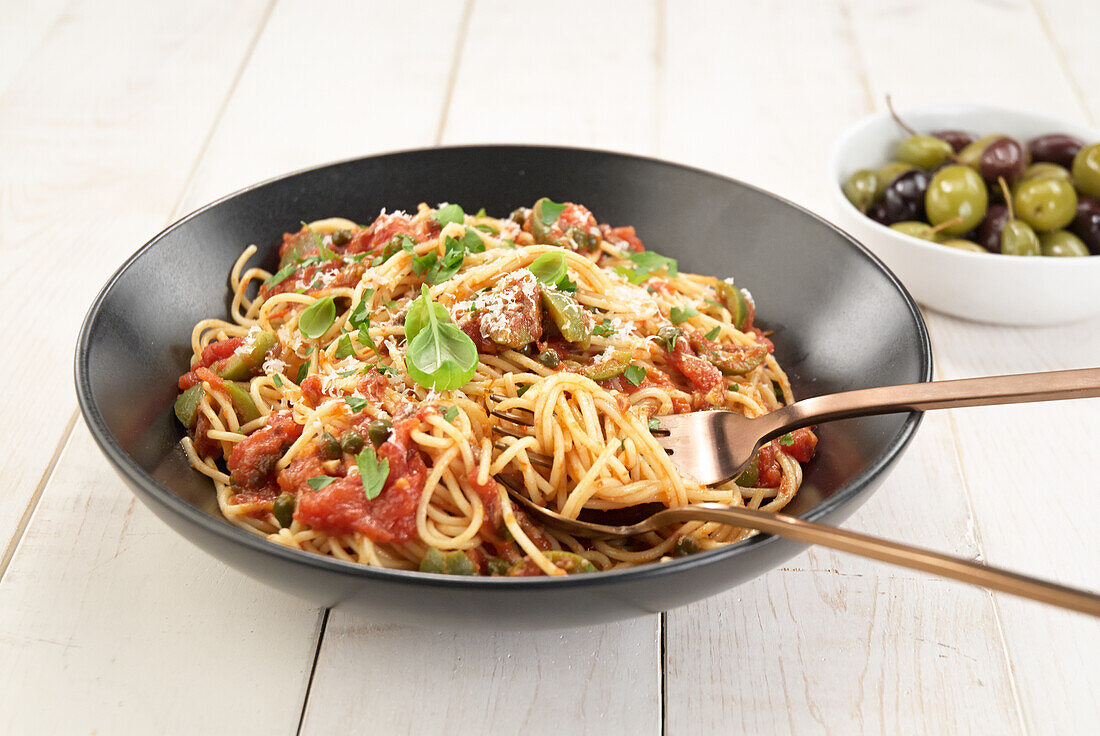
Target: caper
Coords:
[(1086, 170), (887, 173), (923, 151), (379, 431), (341, 237), (1018, 239), (518, 216), (497, 566), (961, 244), (351, 442), (1045, 204), (283, 509), (1062, 243), (1045, 170), (668, 335), (956, 193), (920, 230), (687, 546), (750, 476), (860, 188), (549, 358), (330, 447)]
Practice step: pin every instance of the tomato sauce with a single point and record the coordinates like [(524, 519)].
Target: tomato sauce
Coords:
[(253, 460)]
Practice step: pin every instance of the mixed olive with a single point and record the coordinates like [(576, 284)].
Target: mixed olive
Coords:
[(988, 194)]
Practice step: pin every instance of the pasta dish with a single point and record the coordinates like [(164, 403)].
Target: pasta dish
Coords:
[(344, 406)]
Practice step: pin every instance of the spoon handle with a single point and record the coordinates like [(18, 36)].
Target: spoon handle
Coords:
[(894, 553), (1080, 383)]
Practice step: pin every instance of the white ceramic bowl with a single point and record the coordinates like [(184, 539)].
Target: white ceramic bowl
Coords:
[(1016, 290)]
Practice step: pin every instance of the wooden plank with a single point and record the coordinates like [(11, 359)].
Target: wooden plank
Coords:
[(558, 682), (1027, 478), (23, 26), (97, 139), (769, 118), (1070, 28), (110, 622)]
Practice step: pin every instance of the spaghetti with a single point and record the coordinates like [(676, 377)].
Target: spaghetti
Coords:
[(344, 409)]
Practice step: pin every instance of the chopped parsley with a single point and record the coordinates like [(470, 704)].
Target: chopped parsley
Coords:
[(679, 315), (449, 213), (603, 329), (714, 333), (635, 374), (357, 403), (451, 414), (786, 440), (319, 481)]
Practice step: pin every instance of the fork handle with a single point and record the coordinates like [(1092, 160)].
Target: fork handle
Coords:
[(895, 553), (1081, 383)]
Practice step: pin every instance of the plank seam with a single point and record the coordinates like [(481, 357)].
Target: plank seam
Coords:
[(32, 504), (662, 623), (976, 529), (1063, 62), (456, 62), (861, 63), (312, 672)]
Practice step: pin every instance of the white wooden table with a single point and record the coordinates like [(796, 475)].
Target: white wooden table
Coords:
[(118, 117)]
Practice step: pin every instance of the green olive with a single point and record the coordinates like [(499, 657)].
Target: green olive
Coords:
[(1086, 170), (457, 563), (924, 151), (687, 546), (1045, 170), (860, 188), (379, 431), (497, 566), (956, 193), (972, 153), (341, 237), (283, 509), (914, 229), (571, 562), (1018, 239), (1062, 243), (351, 441), (1045, 204), (961, 244), (887, 173), (432, 561), (750, 476)]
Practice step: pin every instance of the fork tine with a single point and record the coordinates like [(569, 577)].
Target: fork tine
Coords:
[(508, 432), (511, 417), (535, 457)]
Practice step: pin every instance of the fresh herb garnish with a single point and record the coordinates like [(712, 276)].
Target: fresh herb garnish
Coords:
[(654, 424), (451, 414), (344, 348), (454, 254), (357, 403), (521, 390), (372, 473), (439, 356), (486, 228), (281, 275), (646, 264), (551, 211), (713, 333), (508, 243), (422, 264), (679, 315), (449, 213), (278, 380), (361, 314), (603, 329), (786, 440), (365, 339), (550, 269), (326, 254), (315, 319), (481, 213), (473, 242), (303, 371), (319, 482), (635, 374)]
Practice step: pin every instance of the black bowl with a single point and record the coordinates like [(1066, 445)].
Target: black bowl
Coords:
[(841, 321)]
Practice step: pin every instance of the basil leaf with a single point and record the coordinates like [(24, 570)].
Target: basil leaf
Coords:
[(319, 482), (487, 229), (551, 211), (361, 314), (679, 315), (303, 371), (635, 374), (451, 414), (344, 348), (404, 242), (357, 403), (481, 213), (372, 473), (448, 214), (649, 262), (315, 319), (278, 380), (549, 268), (454, 254), (603, 329), (654, 424), (473, 242), (508, 243), (713, 333), (421, 264), (567, 284), (365, 339), (439, 356), (786, 440), (281, 275), (632, 275)]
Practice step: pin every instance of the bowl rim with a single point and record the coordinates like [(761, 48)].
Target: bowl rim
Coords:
[(835, 167), (155, 492)]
